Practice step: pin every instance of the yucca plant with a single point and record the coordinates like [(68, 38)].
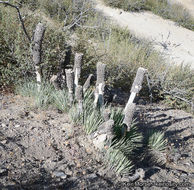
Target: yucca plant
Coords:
[(120, 153), (27, 88), (90, 118), (156, 147), (42, 96), (118, 161), (61, 100), (75, 116)]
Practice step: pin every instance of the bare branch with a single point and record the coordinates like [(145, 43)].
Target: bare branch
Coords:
[(20, 17), (76, 20)]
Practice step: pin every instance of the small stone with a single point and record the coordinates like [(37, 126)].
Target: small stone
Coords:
[(183, 175), (3, 125), (16, 126), (99, 141), (78, 164), (60, 174), (3, 141), (91, 176), (3, 172)]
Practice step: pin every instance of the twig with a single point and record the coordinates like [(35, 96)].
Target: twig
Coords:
[(20, 17), (183, 99)]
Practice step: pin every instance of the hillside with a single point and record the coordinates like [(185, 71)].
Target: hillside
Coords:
[(176, 43), (93, 97)]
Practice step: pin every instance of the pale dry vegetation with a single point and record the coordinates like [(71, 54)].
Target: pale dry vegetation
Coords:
[(162, 8)]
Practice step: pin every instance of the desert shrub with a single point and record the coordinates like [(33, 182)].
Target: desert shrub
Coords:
[(162, 8), (123, 54), (132, 5), (15, 48), (16, 62), (42, 96)]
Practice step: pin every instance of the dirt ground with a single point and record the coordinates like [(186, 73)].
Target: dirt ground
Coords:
[(174, 42), (41, 149)]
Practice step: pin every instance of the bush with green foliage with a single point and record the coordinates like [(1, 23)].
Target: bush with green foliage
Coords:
[(16, 62)]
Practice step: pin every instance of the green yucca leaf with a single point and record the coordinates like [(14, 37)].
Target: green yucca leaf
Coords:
[(118, 162), (61, 100), (157, 141)]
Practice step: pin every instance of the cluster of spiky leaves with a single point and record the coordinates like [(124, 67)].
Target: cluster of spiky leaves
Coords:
[(123, 149), (61, 100), (42, 96), (156, 147)]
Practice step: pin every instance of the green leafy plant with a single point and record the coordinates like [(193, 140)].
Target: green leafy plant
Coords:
[(118, 161), (42, 96), (61, 100), (157, 141), (156, 148)]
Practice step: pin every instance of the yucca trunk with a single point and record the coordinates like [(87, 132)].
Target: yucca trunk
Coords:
[(37, 50)]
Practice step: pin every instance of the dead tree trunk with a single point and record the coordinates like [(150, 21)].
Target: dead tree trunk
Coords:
[(137, 85), (129, 112), (100, 84), (87, 83), (79, 98), (70, 84), (37, 50), (54, 81), (77, 67)]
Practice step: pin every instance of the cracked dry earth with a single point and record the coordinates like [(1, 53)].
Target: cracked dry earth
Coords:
[(43, 150)]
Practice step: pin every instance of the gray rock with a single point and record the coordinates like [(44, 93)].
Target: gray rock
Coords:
[(3, 172), (91, 176), (3, 125), (3, 141), (99, 141), (60, 174)]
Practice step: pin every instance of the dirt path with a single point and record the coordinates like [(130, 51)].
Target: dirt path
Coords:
[(176, 43)]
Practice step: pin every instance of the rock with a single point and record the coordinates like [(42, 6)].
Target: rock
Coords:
[(183, 175), (16, 126), (3, 172), (68, 129), (99, 141), (3, 125), (91, 176), (49, 165), (60, 174), (66, 169), (3, 141)]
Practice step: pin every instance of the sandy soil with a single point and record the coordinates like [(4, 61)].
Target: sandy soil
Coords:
[(176, 43)]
